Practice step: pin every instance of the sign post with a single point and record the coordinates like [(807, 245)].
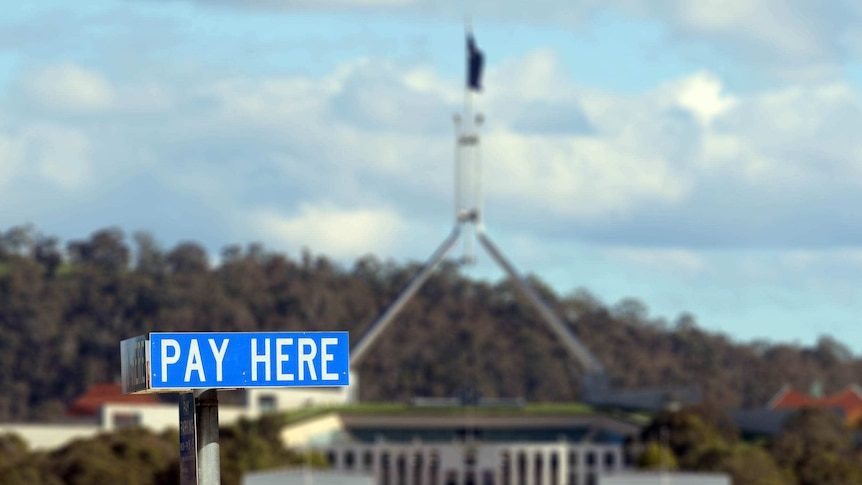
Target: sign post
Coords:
[(197, 364), (209, 466), (188, 440)]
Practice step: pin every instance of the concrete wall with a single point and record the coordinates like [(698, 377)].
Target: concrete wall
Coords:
[(667, 478), (50, 436), (162, 417), (305, 477), (322, 430), (286, 399)]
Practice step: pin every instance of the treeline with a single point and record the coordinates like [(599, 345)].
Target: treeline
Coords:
[(136, 456), (64, 307), (814, 448)]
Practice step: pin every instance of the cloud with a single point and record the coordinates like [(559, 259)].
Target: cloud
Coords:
[(687, 164), (314, 4), (376, 96), (666, 260), (702, 169), (70, 88), (793, 39), (56, 154), (580, 179), (222, 132), (10, 160), (701, 94), (544, 117), (337, 232), (540, 75), (789, 29)]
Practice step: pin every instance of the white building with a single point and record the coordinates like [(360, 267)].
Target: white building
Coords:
[(104, 408), (500, 448), (513, 463)]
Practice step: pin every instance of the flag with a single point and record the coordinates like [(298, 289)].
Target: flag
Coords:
[(475, 59)]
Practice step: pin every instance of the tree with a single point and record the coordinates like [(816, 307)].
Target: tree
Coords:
[(148, 256), (12, 449), (47, 253), (817, 448), (252, 445), (106, 250), (17, 241), (456, 333), (691, 432), (748, 465), (657, 457), (631, 310), (132, 456), (188, 258)]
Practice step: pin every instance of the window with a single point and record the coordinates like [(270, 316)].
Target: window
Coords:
[(451, 478), (435, 467), (610, 459), (418, 467), (506, 464), (127, 420), (488, 477), (401, 469), (555, 467), (470, 456), (538, 467), (384, 468), (266, 403)]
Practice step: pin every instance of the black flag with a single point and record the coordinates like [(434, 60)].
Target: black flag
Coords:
[(475, 59)]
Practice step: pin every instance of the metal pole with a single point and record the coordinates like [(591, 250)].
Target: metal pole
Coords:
[(370, 336), (466, 140), (579, 350), (479, 203), (206, 409), (458, 176)]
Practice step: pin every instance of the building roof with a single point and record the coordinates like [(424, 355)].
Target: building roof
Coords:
[(848, 400), (97, 395), (491, 422), (753, 423), (446, 427)]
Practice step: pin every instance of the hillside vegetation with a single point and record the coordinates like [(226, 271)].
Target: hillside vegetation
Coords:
[(65, 306)]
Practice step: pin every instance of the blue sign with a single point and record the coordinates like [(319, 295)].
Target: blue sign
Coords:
[(207, 360)]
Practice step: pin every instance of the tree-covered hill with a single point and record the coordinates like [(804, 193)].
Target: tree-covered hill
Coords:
[(64, 307)]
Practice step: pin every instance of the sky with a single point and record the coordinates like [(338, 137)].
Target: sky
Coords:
[(701, 157)]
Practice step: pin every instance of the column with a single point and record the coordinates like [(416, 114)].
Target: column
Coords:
[(515, 468), (582, 464), (546, 466), (563, 465)]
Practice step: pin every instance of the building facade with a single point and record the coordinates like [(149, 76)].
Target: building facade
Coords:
[(498, 448), (513, 463)]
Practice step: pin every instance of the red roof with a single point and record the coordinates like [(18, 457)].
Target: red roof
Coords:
[(789, 398), (848, 400), (97, 395)]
